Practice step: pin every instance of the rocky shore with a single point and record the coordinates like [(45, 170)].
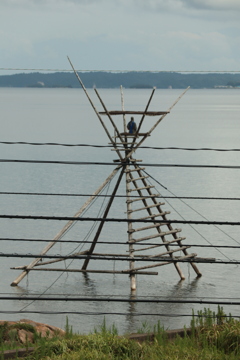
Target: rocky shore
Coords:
[(25, 331)]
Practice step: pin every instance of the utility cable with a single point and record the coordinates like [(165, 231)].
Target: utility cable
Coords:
[(95, 313), (120, 220), (110, 146), (114, 164), (197, 212), (148, 297), (119, 196), (119, 300), (224, 232), (118, 243), (180, 214), (90, 205), (101, 211), (86, 237)]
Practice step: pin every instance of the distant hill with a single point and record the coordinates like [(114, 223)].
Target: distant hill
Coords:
[(138, 80)]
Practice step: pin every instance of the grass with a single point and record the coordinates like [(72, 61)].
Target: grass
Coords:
[(214, 336), (9, 338)]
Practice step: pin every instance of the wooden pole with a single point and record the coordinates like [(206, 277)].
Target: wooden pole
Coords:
[(150, 213), (195, 268), (109, 116), (131, 247), (151, 130), (95, 271), (94, 242), (94, 108), (143, 117), (65, 228), (124, 116), (190, 256), (50, 261)]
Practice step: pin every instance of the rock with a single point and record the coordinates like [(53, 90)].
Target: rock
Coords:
[(25, 336), (44, 329), (24, 330)]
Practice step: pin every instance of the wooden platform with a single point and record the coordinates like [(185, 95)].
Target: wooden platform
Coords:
[(125, 112)]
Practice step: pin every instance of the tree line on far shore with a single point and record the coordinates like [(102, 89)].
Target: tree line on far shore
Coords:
[(138, 80)]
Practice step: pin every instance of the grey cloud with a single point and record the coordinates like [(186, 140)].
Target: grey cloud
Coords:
[(29, 3), (176, 5), (229, 5)]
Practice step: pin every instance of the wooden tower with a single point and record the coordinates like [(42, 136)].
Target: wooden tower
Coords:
[(146, 218)]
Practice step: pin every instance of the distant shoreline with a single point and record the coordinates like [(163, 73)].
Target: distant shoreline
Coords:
[(129, 80)]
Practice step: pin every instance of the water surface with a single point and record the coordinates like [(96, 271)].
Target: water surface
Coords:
[(203, 118)]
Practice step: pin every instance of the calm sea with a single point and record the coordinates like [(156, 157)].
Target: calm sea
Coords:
[(202, 119)]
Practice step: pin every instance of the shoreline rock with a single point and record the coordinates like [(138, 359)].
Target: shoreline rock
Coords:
[(25, 330)]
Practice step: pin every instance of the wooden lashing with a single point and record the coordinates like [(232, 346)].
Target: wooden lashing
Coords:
[(140, 235)]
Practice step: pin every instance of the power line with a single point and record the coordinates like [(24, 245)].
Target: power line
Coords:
[(162, 222), (95, 313), (118, 243), (118, 300), (110, 146), (114, 164), (149, 297), (109, 296), (53, 144), (86, 237), (59, 194), (184, 202), (117, 196)]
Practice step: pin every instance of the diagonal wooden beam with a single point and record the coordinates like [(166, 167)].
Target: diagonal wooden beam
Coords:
[(150, 213), (65, 228), (156, 124), (94, 108), (143, 117), (109, 116), (94, 242), (124, 116), (175, 236), (171, 107)]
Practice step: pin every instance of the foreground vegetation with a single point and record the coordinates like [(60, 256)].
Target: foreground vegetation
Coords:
[(213, 336)]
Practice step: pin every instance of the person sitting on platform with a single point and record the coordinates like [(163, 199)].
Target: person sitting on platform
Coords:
[(132, 127)]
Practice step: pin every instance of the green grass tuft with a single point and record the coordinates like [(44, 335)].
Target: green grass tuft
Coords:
[(215, 336)]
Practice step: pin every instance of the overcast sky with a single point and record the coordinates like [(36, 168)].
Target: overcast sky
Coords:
[(120, 34)]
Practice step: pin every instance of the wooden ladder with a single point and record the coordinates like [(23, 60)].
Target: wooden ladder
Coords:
[(165, 235)]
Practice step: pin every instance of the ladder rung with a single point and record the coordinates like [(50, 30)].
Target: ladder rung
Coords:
[(157, 235), (124, 143), (165, 243), (170, 261), (121, 149), (139, 178), (131, 170), (169, 252), (145, 228), (142, 188), (144, 198), (125, 135), (153, 216), (148, 207), (147, 248)]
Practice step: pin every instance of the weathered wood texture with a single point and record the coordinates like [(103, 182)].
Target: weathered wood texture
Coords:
[(129, 112)]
